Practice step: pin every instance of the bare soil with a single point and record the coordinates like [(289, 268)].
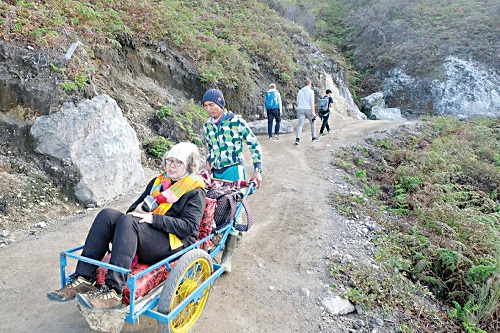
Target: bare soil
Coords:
[(280, 273)]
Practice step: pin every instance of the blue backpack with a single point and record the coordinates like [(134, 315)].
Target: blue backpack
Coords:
[(271, 101)]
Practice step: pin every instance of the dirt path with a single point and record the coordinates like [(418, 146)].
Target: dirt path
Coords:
[(280, 273)]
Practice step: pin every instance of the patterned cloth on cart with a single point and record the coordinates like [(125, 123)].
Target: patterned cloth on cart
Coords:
[(228, 196)]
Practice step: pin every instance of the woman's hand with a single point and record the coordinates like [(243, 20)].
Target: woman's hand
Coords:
[(144, 217)]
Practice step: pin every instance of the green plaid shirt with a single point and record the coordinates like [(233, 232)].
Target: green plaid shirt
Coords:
[(225, 142)]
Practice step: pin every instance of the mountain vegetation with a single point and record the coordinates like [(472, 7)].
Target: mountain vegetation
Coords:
[(223, 38), (378, 35), (436, 191)]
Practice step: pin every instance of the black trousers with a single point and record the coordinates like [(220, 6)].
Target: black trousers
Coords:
[(129, 237), (271, 115), (324, 123)]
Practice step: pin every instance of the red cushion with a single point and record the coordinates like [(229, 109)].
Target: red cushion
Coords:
[(142, 285), (207, 221)]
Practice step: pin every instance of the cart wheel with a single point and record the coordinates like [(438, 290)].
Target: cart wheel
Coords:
[(193, 268)]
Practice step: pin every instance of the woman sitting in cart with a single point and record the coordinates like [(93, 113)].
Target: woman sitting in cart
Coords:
[(163, 220)]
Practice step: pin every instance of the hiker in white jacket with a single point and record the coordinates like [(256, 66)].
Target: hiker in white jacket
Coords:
[(306, 109)]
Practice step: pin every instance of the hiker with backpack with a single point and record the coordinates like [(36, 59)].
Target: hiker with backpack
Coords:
[(324, 105), (273, 109)]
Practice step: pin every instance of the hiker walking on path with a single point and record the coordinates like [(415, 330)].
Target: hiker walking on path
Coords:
[(324, 105), (273, 109), (305, 109), (225, 134)]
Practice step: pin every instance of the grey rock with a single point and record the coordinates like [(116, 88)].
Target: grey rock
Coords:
[(386, 113), (260, 127), (346, 259), (470, 89), (338, 305), (359, 324), (374, 100), (103, 320), (467, 89), (98, 140)]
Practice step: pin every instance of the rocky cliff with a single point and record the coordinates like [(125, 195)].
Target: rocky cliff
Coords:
[(465, 89)]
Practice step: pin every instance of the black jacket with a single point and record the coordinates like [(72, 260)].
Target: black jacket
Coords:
[(183, 218)]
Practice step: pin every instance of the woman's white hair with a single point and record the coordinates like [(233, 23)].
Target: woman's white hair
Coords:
[(193, 162)]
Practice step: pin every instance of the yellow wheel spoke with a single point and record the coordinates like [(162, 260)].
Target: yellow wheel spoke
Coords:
[(196, 274)]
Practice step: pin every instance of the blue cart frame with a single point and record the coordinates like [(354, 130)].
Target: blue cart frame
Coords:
[(151, 300)]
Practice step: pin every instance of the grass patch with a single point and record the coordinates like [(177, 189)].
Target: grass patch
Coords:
[(175, 124)]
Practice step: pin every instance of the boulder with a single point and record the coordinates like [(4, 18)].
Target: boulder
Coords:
[(96, 138), (374, 100), (260, 127), (465, 89), (338, 306), (470, 89), (386, 113)]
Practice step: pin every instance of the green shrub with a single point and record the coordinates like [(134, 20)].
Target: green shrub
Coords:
[(164, 112), (220, 38), (158, 146)]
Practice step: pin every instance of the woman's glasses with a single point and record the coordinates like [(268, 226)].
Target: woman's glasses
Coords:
[(173, 162)]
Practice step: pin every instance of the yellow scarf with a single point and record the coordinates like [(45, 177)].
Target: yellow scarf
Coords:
[(172, 193)]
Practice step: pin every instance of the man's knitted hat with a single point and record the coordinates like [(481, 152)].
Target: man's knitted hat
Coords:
[(328, 91), (214, 95)]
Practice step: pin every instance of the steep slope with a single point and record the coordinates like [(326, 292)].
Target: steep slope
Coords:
[(427, 56)]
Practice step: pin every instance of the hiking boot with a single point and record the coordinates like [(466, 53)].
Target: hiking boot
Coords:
[(77, 285), (315, 139), (270, 138), (276, 136), (329, 131), (297, 141), (102, 298), (322, 134)]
